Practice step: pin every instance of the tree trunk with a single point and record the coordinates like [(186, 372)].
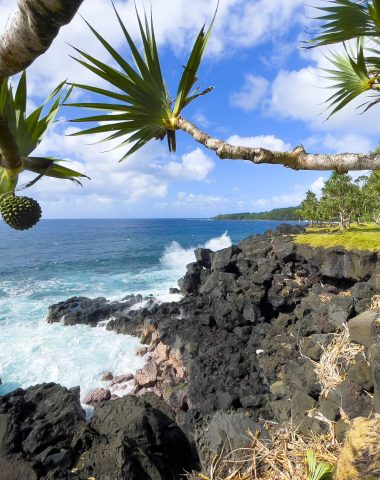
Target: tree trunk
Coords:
[(31, 32), (296, 159)]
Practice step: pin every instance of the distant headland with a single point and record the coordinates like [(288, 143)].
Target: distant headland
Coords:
[(289, 213)]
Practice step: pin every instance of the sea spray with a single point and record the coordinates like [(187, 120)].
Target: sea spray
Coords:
[(110, 258), (176, 257)]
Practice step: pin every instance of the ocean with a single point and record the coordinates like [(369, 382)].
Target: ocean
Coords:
[(59, 259)]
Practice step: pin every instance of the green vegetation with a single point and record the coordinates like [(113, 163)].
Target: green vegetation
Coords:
[(144, 110), (362, 237), (344, 201), (290, 213), (23, 134)]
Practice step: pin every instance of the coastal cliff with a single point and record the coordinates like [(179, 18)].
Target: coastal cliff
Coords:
[(240, 349)]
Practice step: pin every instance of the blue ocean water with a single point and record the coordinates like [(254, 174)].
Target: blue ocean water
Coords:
[(111, 258)]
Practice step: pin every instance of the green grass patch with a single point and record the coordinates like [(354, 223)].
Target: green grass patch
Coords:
[(361, 237)]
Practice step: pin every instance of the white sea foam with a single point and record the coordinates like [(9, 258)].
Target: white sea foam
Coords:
[(35, 352), (176, 257), (32, 351)]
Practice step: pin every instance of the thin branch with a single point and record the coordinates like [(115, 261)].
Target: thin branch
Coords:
[(297, 159), (31, 32)]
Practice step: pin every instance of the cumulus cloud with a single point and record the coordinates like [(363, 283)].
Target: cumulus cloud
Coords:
[(292, 198), (145, 175), (199, 201), (271, 142), (195, 165), (251, 93), (238, 25), (302, 95)]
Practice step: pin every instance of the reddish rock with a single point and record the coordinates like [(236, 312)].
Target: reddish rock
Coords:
[(161, 353), (97, 395), (176, 363), (147, 375), (106, 377), (142, 351), (122, 378)]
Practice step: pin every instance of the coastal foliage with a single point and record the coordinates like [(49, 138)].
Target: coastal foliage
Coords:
[(288, 213), (344, 201), (144, 110), (361, 237), (357, 69), (28, 130)]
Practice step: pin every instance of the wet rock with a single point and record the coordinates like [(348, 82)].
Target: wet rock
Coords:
[(127, 377), (142, 351), (106, 377), (204, 257), (147, 376), (97, 395)]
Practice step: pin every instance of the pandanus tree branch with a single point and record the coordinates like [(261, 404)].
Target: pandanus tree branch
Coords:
[(29, 34), (297, 159)]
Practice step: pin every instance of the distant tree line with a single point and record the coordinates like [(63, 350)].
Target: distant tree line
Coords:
[(289, 213), (344, 201)]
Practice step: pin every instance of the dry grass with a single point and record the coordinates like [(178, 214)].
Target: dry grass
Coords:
[(282, 457), (325, 298), (335, 359), (375, 302)]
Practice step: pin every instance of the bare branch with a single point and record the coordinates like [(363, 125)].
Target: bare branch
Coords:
[(31, 32), (297, 159)]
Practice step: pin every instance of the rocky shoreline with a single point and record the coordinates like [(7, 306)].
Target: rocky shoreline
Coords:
[(239, 349)]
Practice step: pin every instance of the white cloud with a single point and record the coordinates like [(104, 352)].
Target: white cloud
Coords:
[(290, 199), (251, 93), (201, 120), (238, 25), (199, 201), (336, 143), (269, 142), (193, 166), (147, 174), (302, 95), (317, 185)]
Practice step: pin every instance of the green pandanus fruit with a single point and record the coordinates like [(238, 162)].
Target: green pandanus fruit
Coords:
[(20, 213)]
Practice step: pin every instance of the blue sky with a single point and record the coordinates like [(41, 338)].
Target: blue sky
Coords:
[(268, 92)]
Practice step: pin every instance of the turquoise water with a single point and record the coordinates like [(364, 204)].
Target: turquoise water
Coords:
[(111, 258)]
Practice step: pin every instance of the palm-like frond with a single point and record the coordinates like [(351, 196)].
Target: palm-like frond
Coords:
[(29, 130), (316, 470), (140, 109), (351, 78), (344, 20)]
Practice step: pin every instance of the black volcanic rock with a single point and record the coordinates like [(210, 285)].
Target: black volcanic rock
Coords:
[(253, 319), (37, 427), (136, 439)]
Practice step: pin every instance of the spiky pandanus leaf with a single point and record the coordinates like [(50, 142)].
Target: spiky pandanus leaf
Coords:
[(143, 110), (351, 78), (29, 130), (356, 71), (344, 20)]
